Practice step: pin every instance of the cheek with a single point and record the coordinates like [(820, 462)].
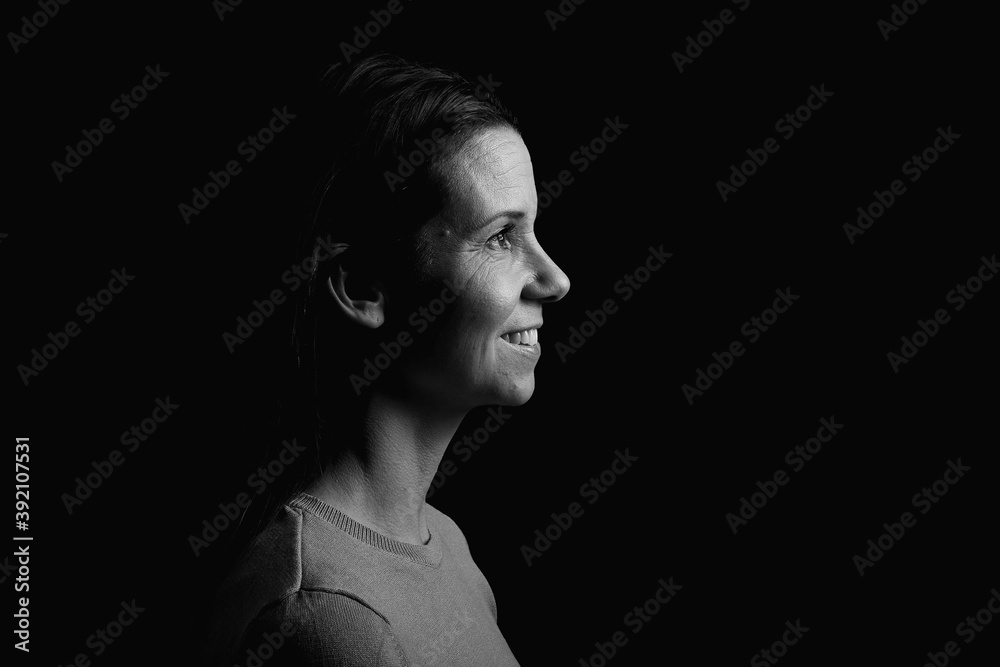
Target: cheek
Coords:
[(486, 306)]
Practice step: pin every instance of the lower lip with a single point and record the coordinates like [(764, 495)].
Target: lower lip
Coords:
[(527, 350)]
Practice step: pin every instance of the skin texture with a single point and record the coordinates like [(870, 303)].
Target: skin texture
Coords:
[(502, 279)]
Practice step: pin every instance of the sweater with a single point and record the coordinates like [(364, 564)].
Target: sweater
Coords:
[(318, 588)]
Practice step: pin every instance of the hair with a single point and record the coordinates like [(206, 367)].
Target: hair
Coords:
[(382, 134)]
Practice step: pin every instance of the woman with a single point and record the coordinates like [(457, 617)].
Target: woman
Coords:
[(424, 301)]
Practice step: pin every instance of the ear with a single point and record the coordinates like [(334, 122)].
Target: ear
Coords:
[(361, 303)]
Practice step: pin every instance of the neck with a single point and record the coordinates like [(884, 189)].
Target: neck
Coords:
[(382, 478)]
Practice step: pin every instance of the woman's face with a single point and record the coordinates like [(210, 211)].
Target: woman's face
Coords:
[(483, 348)]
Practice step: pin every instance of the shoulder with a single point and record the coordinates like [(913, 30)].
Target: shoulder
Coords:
[(297, 571), (321, 627)]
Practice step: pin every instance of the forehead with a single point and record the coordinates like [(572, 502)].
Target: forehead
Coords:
[(491, 173)]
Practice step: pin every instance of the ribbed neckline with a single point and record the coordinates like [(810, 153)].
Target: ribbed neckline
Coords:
[(426, 554)]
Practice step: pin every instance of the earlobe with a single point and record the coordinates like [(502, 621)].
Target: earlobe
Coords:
[(366, 312)]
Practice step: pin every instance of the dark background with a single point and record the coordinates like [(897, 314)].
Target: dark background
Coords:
[(655, 185)]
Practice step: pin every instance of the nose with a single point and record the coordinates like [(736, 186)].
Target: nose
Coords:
[(550, 283)]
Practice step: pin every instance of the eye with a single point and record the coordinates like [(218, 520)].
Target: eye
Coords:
[(499, 241)]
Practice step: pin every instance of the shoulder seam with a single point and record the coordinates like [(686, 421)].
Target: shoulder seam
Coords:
[(386, 634), (386, 625), (346, 594), (329, 591), (320, 589), (295, 587)]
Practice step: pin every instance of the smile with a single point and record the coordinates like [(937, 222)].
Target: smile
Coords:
[(528, 337)]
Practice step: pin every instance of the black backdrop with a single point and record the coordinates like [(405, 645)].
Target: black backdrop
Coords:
[(665, 517)]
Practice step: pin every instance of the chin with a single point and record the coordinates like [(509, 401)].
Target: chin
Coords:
[(517, 394)]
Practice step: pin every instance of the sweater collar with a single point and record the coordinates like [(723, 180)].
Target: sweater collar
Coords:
[(429, 554)]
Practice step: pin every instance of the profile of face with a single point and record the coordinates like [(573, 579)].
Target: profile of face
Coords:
[(482, 350)]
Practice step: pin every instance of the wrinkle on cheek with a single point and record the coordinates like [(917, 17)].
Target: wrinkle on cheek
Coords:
[(478, 270), (485, 304)]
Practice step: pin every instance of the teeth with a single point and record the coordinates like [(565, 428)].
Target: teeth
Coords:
[(526, 337)]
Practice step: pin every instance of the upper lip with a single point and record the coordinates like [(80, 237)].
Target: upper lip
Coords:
[(524, 328)]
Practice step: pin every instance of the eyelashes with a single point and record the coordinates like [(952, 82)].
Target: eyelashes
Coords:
[(500, 240)]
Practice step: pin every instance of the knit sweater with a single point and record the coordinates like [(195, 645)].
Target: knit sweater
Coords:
[(318, 588)]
